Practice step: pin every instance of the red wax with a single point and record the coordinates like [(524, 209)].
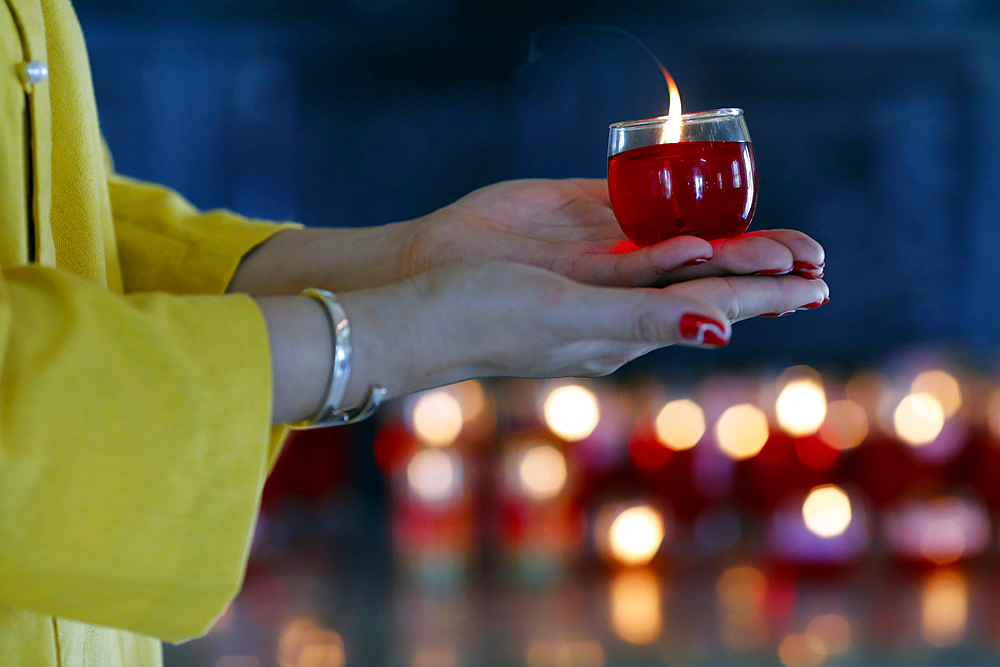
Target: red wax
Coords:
[(703, 188)]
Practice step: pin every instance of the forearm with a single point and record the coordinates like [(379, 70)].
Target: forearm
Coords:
[(335, 259)]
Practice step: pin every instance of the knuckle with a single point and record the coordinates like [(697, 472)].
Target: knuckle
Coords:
[(733, 307)]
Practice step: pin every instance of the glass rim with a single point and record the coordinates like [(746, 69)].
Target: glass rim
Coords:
[(687, 117)]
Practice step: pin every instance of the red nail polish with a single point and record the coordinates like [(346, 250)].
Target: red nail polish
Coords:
[(806, 266), (696, 261), (826, 299), (773, 272), (814, 304), (703, 330), (787, 312), (809, 276)]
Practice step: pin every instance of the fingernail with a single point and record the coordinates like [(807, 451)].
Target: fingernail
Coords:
[(703, 330), (696, 261), (810, 306), (787, 312), (809, 276), (774, 272), (807, 266), (826, 299)]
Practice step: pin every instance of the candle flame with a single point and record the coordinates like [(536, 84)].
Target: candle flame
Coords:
[(672, 129), (671, 132)]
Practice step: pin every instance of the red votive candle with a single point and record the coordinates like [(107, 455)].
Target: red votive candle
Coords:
[(693, 174)]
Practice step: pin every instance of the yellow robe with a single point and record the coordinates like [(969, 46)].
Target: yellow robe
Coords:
[(134, 417)]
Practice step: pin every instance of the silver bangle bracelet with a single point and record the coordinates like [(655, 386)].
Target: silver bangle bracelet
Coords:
[(330, 413)]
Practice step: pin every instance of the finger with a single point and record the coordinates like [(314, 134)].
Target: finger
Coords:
[(769, 252), (743, 297), (742, 255), (807, 253), (626, 265), (746, 254)]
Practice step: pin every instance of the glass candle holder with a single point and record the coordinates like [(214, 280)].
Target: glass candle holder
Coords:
[(694, 176)]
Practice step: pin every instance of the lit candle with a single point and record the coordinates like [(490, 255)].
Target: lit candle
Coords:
[(824, 527), (541, 526), (682, 174), (433, 525)]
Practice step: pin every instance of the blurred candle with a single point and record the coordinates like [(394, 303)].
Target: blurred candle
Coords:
[(827, 511), (680, 425), (944, 608), (433, 518), (825, 527), (636, 606), (919, 419), (942, 386), (801, 407), (845, 426), (742, 431), (673, 475), (435, 475), (571, 412), (540, 526), (635, 535), (542, 472), (437, 418)]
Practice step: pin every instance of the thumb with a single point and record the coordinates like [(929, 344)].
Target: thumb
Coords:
[(656, 317)]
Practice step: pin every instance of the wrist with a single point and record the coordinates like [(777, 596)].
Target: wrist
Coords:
[(338, 260), (301, 356), (405, 337), (400, 342)]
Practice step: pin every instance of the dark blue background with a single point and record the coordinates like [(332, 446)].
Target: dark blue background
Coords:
[(875, 125)]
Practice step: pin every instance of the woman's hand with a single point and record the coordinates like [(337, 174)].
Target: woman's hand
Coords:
[(565, 226), (504, 319), (568, 227)]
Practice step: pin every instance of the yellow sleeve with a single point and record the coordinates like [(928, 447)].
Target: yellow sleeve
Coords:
[(134, 441), (165, 244)]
